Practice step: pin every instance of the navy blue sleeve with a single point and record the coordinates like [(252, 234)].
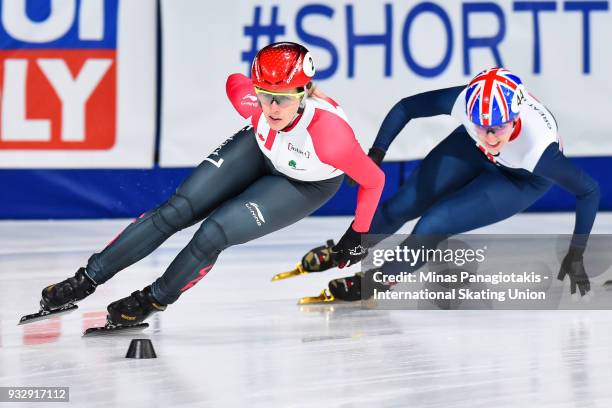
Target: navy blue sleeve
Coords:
[(432, 103), (556, 167)]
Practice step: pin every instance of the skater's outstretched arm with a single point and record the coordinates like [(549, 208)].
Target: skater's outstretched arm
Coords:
[(426, 104), (336, 145), (556, 167)]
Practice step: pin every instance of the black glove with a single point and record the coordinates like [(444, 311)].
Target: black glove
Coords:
[(377, 155), (573, 265), (348, 250)]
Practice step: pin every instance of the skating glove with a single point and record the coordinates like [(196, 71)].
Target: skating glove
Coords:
[(349, 250), (377, 155), (573, 265)]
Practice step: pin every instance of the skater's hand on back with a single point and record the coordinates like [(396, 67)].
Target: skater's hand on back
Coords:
[(377, 156), (573, 265), (349, 250)]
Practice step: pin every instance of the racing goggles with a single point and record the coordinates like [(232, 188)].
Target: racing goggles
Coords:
[(282, 99), (494, 129)]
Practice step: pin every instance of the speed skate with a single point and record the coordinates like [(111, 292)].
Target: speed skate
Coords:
[(324, 298), (110, 328), (44, 314)]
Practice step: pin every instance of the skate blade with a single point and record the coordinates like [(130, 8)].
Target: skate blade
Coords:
[(299, 270), (324, 298), (45, 314), (112, 329)]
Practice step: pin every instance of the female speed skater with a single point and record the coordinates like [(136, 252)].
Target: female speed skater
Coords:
[(505, 155), (274, 172)]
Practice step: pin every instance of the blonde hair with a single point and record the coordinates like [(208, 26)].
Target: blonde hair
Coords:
[(310, 89), (313, 91)]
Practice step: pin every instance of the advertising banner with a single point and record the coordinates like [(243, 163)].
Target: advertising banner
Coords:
[(369, 55), (77, 83)]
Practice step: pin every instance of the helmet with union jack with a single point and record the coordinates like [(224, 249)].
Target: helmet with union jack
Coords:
[(493, 97), (282, 65)]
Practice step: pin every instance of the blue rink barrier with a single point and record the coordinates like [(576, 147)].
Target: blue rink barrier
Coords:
[(78, 194)]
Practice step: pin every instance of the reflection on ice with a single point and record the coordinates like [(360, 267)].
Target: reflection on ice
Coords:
[(238, 340)]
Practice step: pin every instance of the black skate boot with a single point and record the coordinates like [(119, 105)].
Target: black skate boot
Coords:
[(128, 314), (347, 289), (318, 259), (134, 309), (360, 286), (68, 291), (60, 298)]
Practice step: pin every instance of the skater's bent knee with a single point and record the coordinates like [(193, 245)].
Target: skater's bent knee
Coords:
[(210, 239), (433, 223), (174, 215)]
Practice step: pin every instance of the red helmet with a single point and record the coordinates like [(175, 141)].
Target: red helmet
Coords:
[(282, 65)]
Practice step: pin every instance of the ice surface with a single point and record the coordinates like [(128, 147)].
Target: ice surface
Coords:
[(239, 340)]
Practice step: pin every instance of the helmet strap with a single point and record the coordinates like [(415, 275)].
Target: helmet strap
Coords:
[(297, 114)]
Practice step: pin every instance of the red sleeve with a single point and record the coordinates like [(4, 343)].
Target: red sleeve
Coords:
[(336, 145), (241, 94)]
